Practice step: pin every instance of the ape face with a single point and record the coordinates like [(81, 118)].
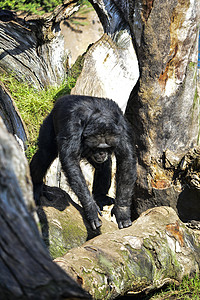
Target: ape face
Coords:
[(99, 147), (100, 155)]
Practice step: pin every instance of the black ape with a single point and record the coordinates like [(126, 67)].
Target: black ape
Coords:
[(92, 128)]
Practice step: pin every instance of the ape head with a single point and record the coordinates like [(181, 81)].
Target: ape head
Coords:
[(101, 141), (99, 148)]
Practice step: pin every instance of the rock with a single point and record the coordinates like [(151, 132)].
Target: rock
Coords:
[(80, 30)]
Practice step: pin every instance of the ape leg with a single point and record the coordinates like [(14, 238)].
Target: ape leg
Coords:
[(41, 161), (101, 183)]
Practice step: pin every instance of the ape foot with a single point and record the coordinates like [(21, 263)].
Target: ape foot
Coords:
[(122, 215), (103, 200), (47, 193)]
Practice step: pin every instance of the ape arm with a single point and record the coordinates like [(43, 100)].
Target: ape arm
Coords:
[(125, 179), (69, 153)]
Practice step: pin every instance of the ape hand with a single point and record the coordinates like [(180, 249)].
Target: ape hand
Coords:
[(122, 215), (91, 211)]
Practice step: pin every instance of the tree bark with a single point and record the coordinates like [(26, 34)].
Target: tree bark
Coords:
[(32, 47), (110, 67), (163, 107), (11, 116), (27, 271), (157, 249)]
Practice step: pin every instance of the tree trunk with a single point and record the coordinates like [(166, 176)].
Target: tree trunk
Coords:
[(163, 107), (27, 271), (157, 249), (32, 47)]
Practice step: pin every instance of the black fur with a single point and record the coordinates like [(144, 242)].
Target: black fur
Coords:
[(92, 128)]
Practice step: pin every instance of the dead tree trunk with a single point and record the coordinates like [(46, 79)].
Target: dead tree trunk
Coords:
[(11, 116), (163, 107), (27, 271), (32, 47)]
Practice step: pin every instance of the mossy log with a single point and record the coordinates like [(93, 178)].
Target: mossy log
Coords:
[(63, 223), (157, 249), (27, 270)]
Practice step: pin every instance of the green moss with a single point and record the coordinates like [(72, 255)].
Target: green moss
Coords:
[(163, 259), (112, 276), (196, 97), (192, 64), (140, 263), (56, 249), (101, 292), (77, 67), (65, 237), (106, 263)]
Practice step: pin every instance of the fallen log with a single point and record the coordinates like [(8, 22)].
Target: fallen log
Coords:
[(157, 249)]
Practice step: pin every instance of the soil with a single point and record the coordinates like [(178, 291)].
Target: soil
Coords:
[(81, 30)]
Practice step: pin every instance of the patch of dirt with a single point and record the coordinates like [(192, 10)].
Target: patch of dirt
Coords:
[(81, 30)]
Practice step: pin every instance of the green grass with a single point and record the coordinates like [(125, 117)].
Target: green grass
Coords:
[(35, 6), (34, 105), (189, 289)]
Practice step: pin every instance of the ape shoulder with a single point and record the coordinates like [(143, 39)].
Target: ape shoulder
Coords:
[(86, 111)]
